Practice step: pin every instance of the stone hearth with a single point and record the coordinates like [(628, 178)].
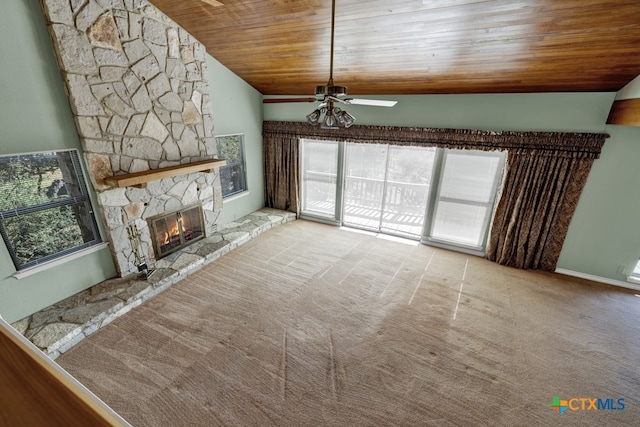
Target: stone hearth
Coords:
[(59, 327)]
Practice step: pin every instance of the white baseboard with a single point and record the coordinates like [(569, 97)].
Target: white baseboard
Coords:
[(599, 279)]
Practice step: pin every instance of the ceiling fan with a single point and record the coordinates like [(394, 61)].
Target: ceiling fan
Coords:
[(330, 94)]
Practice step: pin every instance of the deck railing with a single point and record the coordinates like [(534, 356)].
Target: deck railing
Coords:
[(404, 202), (400, 197)]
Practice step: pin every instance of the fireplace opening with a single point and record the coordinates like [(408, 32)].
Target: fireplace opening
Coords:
[(173, 231)]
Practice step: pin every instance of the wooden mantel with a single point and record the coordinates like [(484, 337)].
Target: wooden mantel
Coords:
[(140, 179)]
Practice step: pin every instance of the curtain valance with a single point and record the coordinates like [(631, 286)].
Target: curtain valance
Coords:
[(565, 144)]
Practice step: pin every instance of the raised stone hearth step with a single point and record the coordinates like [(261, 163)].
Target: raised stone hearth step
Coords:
[(59, 327)]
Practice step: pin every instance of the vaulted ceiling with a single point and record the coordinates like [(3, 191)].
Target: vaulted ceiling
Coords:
[(281, 47)]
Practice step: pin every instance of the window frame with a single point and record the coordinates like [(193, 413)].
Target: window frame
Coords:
[(242, 162), (336, 217), (83, 198), (435, 198)]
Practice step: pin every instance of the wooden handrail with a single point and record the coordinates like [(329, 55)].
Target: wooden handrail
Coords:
[(140, 179), (35, 391)]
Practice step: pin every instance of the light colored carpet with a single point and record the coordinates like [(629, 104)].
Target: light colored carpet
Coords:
[(312, 325)]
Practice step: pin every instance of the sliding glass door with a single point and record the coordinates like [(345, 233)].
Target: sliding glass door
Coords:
[(438, 196), (386, 188), (319, 178), (407, 184), (364, 180)]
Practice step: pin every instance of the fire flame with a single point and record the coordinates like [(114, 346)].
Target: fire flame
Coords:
[(173, 232)]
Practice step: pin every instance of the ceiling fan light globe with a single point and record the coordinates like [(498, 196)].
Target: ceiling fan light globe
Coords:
[(339, 117), (314, 117), (347, 119), (330, 121)]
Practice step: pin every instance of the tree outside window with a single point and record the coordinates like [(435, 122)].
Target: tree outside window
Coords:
[(232, 175), (45, 211)]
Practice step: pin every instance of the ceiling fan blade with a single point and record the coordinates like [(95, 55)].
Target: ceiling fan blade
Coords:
[(372, 102), (281, 100)]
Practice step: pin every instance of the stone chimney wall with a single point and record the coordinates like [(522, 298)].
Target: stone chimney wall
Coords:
[(138, 90)]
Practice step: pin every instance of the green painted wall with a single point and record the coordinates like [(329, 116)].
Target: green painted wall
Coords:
[(237, 108), (34, 111), (35, 116), (604, 234)]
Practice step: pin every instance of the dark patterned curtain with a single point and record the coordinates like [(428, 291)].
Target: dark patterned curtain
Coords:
[(539, 196), (545, 175), (281, 170)]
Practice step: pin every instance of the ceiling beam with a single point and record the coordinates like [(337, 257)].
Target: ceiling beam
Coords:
[(625, 112)]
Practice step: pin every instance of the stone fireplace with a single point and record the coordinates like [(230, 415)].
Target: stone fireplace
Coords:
[(138, 89)]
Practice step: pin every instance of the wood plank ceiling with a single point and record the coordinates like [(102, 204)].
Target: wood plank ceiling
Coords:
[(281, 47)]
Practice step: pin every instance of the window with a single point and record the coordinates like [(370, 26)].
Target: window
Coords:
[(232, 175), (465, 198), (45, 211)]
